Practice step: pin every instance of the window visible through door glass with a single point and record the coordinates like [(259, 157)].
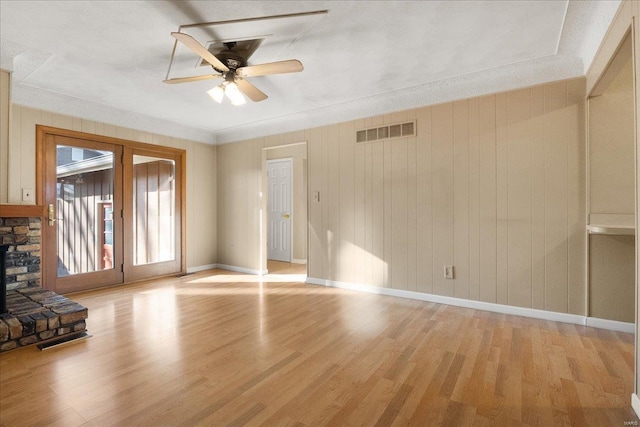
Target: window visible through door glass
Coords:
[(84, 187)]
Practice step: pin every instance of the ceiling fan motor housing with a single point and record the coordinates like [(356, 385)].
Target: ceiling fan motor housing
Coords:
[(231, 59)]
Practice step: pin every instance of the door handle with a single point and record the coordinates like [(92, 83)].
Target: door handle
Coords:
[(285, 216), (52, 214)]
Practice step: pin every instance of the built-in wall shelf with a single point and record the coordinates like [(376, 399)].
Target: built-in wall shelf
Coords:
[(611, 229), (615, 224)]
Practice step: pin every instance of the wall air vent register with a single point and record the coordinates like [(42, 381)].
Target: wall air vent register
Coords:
[(380, 133)]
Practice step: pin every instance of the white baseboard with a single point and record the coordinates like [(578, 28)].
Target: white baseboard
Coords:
[(635, 404), (242, 269), (298, 261), (314, 281), (480, 305), (613, 325), (201, 268)]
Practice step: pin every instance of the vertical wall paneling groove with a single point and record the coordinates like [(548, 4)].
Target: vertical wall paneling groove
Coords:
[(333, 195), (15, 161), (442, 169), (378, 191), (324, 197), (556, 197), (314, 171), (368, 213), (474, 201), (492, 185), (399, 211), (29, 116), (488, 199), (254, 186), (502, 195), (360, 203), (412, 212), (538, 245), (519, 197), (461, 199), (387, 227), (425, 198), (346, 160), (5, 124), (576, 197), (399, 207)]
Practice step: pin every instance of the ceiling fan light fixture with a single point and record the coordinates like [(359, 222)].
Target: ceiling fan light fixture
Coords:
[(217, 93), (234, 94)]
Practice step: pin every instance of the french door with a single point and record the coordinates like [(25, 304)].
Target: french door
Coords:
[(113, 212), (153, 214)]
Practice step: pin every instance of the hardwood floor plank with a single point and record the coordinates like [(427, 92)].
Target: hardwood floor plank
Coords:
[(220, 348)]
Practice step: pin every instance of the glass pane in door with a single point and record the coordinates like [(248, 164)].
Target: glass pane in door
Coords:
[(154, 216), (84, 185)]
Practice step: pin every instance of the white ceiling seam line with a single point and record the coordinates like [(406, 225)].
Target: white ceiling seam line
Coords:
[(562, 27), (301, 35)]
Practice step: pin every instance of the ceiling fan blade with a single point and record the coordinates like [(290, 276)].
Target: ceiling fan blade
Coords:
[(281, 67), (196, 47), (255, 94), (192, 79)]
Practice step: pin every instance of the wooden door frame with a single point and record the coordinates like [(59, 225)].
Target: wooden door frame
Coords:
[(42, 132)]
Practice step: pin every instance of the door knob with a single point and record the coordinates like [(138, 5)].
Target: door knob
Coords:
[(285, 216)]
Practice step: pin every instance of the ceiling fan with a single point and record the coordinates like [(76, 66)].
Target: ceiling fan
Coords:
[(232, 67)]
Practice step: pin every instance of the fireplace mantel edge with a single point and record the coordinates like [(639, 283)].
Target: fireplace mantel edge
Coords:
[(22, 211)]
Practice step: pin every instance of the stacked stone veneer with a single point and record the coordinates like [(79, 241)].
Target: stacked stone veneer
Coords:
[(34, 314), (23, 258)]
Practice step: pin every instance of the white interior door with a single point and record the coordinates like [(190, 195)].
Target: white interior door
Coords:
[(279, 210)]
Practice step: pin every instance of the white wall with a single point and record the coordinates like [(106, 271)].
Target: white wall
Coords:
[(201, 171)]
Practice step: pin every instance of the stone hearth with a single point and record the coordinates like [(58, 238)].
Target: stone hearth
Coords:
[(37, 315), (34, 314)]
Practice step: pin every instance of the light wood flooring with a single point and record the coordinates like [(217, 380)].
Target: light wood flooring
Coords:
[(279, 267), (218, 348)]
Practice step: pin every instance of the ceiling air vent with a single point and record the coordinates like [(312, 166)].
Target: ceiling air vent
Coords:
[(398, 130)]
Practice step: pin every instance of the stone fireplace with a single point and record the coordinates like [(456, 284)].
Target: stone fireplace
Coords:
[(34, 315)]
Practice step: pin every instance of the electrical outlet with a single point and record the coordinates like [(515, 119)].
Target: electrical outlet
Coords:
[(27, 195), (448, 271)]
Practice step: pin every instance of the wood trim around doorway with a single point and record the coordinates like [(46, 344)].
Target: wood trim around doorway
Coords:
[(43, 131)]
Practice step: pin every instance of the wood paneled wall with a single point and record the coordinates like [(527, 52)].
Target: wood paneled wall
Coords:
[(201, 171), (493, 185), (5, 100)]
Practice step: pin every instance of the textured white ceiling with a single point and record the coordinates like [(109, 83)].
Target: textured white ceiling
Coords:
[(105, 60)]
